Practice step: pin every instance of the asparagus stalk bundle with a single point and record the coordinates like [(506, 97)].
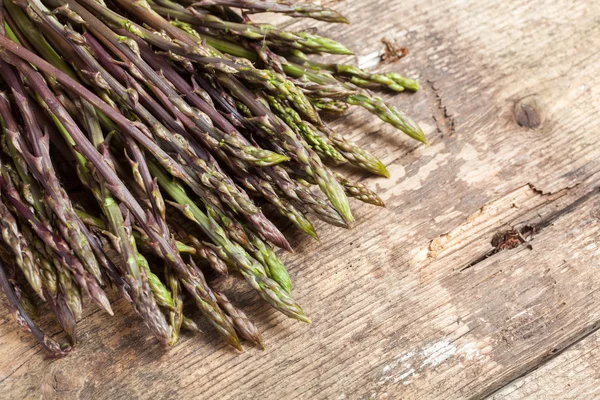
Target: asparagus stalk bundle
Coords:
[(141, 141)]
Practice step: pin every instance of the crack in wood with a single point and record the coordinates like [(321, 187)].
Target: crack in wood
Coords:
[(505, 240), (516, 237), (544, 358), (445, 122)]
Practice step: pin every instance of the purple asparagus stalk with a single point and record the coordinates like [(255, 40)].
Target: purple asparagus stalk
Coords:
[(16, 309), (288, 7)]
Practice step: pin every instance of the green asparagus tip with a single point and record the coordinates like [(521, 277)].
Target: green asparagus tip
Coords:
[(396, 87), (287, 286), (337, 197), (185, 249), (381, 170), (407, 83), (415, 87), (312, 233), (417, 134), (273, 159), (342, 50), (307, 228), (345, 213)]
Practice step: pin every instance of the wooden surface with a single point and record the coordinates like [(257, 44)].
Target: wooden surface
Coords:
[(573, 374), (415, 302)]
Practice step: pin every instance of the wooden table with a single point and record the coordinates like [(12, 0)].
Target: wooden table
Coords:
[(481, 276)]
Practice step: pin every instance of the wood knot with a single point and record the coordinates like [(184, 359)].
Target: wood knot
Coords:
[(527, 113)]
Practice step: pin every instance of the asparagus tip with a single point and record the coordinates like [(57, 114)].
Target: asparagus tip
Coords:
[(382, 171)]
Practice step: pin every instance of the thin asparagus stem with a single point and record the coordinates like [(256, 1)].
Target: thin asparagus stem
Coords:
[(242, 324), (359, 191), (17, 310), (291, 8), (273, 265), (176, 313)]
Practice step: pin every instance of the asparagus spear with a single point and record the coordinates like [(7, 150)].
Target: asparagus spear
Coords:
[(15, 308), (140, 238), (288, 7), (273, 265), (355, 154), (242, 324), (359, 77), (215, 255), (176, 313), (359, 191)]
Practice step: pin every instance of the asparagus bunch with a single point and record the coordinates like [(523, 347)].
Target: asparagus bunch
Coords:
[(145, 141)]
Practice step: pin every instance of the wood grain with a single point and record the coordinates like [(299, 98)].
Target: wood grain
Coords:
[(414, 302), (571, 375)]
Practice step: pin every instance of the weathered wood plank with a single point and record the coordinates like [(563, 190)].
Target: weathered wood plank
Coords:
[(571, 375), (397, 310)]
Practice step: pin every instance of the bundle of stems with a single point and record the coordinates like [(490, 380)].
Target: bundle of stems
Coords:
[(124, 121)]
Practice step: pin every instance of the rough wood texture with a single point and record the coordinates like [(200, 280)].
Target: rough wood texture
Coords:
[(415, 302), (571, 375)]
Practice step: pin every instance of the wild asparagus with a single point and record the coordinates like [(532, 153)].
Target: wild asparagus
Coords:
[(194, 282), (291, 8), (15, 307), (299, 40), (190, 100)]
